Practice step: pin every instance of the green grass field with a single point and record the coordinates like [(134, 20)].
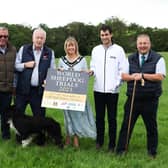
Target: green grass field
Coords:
[(13, 155)]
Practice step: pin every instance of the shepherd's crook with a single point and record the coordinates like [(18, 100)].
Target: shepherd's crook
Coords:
[(130, 115)]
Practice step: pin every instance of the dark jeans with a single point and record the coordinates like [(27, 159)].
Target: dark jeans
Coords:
[(147, 108), (5, 101), (34, 99), (103, 100)]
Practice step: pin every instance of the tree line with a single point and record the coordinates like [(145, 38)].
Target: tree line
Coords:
[(87, 35)]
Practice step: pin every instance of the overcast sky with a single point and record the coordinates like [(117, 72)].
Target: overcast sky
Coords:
[(54, 13)]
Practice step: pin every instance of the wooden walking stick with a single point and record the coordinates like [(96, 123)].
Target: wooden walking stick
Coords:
[(130, 115)]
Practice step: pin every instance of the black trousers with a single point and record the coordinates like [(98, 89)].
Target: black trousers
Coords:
[(147, 108), (103, 100), (34, 99), (5, 101)]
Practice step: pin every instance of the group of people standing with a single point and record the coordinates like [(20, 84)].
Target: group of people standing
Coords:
[(27, 70)]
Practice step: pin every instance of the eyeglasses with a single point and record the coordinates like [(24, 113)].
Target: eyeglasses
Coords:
[(4, 36)]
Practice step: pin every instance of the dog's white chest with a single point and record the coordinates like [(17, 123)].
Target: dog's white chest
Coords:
[(13, 127)]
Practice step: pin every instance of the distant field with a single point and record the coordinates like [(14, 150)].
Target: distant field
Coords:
[(13, 155)]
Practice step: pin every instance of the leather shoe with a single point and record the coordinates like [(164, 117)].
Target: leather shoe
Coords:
[(98, 146), (111, 150), (121, 152), (5, 137), (152, 155)]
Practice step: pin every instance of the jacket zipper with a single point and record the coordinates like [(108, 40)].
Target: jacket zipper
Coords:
[(5, 81), (105, 69)]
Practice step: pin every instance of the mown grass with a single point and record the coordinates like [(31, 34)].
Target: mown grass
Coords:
[(14, 156)]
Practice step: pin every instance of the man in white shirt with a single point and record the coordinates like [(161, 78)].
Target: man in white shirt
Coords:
[(107, 62)]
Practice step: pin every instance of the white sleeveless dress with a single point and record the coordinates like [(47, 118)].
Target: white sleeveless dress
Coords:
[(76, 122)]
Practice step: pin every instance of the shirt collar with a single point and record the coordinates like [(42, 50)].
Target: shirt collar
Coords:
[(36, 50), (145, 55), (3, 50)]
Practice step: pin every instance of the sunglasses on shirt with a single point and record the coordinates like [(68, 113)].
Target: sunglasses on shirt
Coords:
[(3, 36)]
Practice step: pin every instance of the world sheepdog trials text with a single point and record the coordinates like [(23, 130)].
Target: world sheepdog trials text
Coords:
[(67, 80)]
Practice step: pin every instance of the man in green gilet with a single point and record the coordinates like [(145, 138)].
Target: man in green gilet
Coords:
[(7, 60)]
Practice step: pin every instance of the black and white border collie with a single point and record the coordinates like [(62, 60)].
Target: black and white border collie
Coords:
[(27, 127)]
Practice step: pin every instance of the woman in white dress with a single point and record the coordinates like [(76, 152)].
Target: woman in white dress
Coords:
[(77, 123)]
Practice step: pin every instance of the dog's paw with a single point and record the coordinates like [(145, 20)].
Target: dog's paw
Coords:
[(61, 146), (26, 142)]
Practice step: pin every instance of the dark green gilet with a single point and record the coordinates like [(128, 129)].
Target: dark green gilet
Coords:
[(7, 62)]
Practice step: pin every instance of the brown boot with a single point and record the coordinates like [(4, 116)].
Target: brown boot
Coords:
[(76, 141)]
